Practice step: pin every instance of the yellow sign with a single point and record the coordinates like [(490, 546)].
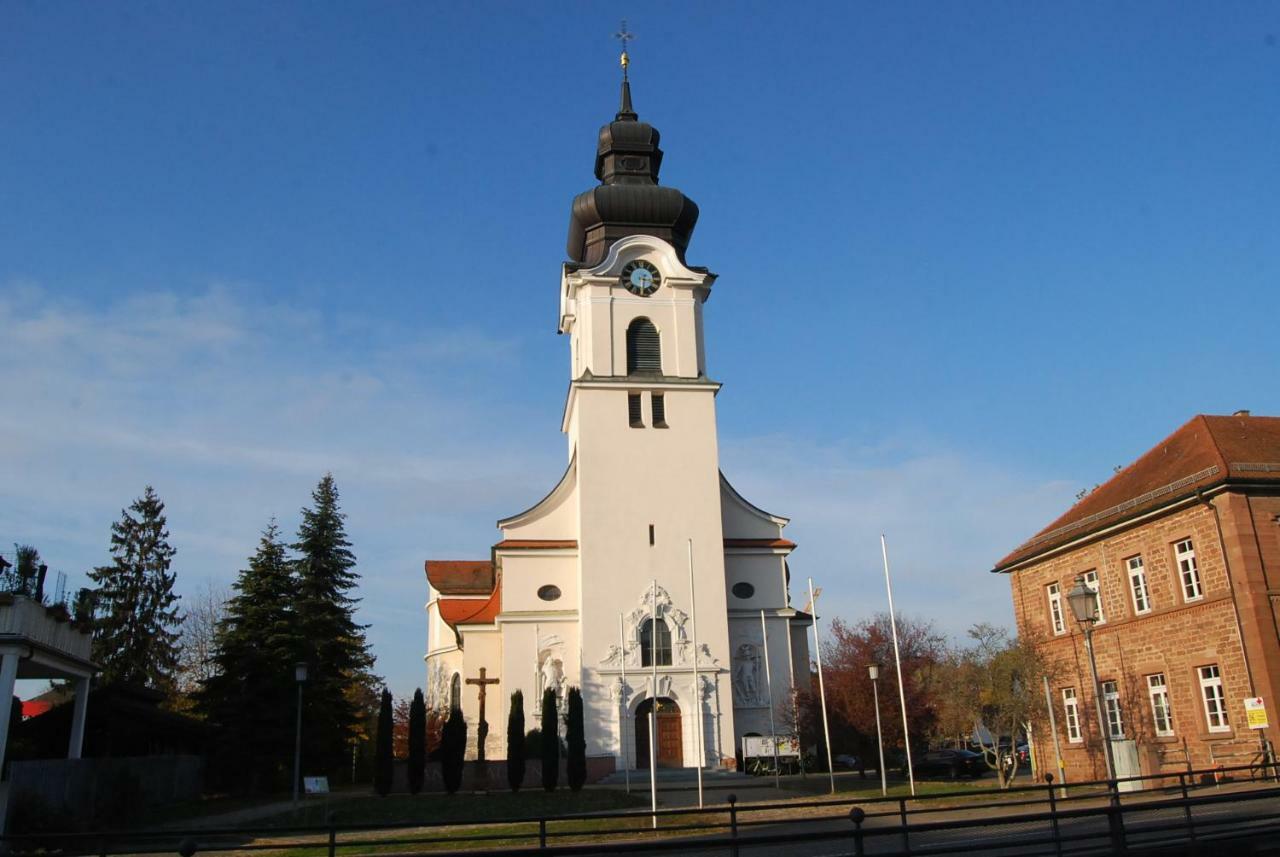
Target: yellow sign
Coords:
[(1255, 713)]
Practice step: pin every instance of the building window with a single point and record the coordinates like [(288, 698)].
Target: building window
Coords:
[(1138, 585), (1185, 554), (1111, 703), (1215, 704), (633, 410), (1055, 609), (659, 411), (550, 592), (455, 692), (1072, 708), (648, 648), (1091, 581), (742, 589), (1161, 714), (644, 348)]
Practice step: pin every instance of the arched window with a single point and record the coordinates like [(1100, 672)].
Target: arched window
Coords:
[(644, 350), (455, 692), (647, 651)]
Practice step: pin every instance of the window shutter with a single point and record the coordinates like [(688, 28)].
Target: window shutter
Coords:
[(659, 411), (644, 348), (633, 410)]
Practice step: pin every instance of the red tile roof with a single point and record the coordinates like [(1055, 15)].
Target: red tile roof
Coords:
[(35, 707), (785, 544), (1205, 452), (460, 577), (471, 611)]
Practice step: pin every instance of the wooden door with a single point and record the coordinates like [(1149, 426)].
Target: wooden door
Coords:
[(670, 747)]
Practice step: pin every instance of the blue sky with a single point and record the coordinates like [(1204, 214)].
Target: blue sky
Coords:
[(971, 257)]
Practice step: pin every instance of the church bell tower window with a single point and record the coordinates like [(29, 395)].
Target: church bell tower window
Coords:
[(634, 412), (644, 348), (647, 646)]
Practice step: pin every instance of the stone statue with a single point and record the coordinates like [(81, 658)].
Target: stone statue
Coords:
[(746, 674)]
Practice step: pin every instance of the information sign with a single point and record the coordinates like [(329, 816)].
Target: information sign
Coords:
[(1255, 713)]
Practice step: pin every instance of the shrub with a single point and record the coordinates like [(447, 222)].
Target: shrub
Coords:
[(453, 750), (577, 741), (550, 741), (383, 764), (515, 742), (417, 742)]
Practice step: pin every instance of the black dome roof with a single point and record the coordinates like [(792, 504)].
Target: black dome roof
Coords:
[(628, 200)]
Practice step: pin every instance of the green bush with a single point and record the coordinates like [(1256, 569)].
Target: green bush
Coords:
[(417, 742), (516, 742), (550, 741), (453, 750), (384, 763), (577, 741)]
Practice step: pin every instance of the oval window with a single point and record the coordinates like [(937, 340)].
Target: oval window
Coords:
[(550, 592), (744, 590)]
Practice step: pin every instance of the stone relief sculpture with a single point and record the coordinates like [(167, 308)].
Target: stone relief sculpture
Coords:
[(746, 674), (550, 671)]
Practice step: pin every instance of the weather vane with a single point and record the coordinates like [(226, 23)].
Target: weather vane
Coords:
[(623, 36)]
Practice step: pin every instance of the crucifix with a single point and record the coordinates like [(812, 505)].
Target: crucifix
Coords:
[(482, 732)]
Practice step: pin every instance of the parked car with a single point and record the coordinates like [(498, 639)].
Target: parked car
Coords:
[(844, 760), (952, 763)]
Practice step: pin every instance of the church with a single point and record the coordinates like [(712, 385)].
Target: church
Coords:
[(642, 577)]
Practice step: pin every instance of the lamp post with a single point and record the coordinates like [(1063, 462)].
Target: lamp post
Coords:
[(874, 672), (1084, 606), (300, 675)]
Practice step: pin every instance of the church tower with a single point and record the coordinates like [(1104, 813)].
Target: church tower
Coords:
[(596, 586)]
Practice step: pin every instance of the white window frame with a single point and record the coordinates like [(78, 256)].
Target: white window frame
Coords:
[(1071, 710), (1213, 698), (1056, 619), (1184, 554), (1138, 589), (1161, 712), (1111, 707), (1092, 581)]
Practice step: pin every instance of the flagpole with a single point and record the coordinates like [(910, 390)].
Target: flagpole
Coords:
[(653, 704), (622, 701), (537, 666), (897, 660), (822, 690), (768, 683), (697, 695)]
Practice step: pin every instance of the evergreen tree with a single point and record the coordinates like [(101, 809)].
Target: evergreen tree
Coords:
[(577, 741), (515, 742), (334, 644), (384, 766), (251, 693), (417, 742), (137, 639), (453, 750), (550, 741)]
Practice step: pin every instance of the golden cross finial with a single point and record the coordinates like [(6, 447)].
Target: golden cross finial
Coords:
[(623, 36)]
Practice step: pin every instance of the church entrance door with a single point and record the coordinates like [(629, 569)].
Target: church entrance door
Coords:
[(670, 740)]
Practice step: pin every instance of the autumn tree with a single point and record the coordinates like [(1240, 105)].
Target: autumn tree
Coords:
[(197, 644), (400, 714)]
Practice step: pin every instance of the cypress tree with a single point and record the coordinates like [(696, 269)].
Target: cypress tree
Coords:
[(515, 742), (252, 694), (453, 750), (417, 742), (136, 639), (577, 741), (550, 741), (384, 763), (334, 645)]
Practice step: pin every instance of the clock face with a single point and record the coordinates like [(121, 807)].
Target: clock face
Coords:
[(641, 278)]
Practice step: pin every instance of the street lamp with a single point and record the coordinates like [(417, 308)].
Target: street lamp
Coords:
[(874, 671), (300, 675), (1084, 606)]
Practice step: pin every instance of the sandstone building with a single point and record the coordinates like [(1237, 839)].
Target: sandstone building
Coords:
[(1183, 546)]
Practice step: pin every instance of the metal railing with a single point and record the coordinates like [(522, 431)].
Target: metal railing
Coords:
[(1094, 816)]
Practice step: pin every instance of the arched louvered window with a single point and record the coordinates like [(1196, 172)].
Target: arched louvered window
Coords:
[(647, 647), (644, 350)]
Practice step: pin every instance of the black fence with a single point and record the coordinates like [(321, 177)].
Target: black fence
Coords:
[(1190, 810)]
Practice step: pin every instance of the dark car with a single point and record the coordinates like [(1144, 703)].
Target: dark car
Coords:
[(951, 763)]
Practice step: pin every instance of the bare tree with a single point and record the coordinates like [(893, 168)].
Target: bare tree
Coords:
[(205, 610)]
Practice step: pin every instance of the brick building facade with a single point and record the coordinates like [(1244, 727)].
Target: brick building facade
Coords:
[(1183, 547)]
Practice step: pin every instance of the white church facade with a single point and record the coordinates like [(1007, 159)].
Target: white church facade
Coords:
[(602, 577)]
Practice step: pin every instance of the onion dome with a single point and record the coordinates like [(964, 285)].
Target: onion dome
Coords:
[(628, 200)]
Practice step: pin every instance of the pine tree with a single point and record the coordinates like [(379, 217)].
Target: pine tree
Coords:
[(417, 742), (453, 750), (251, 694), (577, 741), (384, 764), (550, 741), (137, 639), (515, 742), (334, 645)]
